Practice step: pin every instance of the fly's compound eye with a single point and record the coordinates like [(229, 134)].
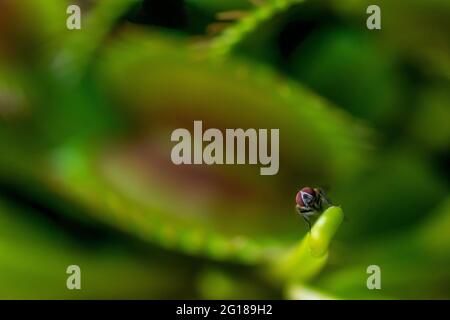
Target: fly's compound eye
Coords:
[(305, 197)]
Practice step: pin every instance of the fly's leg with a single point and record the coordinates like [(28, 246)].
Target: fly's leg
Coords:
[(306, 218), (304, 213)]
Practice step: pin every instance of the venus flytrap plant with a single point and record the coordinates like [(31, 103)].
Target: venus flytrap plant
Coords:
[(224, 43), (35, 254), (307, 258), (78, 48), (322, 233), (109, 183), (103, 177)]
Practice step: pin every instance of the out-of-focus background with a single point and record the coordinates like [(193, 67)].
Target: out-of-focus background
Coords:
[(85, 172)]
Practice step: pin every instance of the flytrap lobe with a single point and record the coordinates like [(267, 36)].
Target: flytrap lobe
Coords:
[(124, 176)]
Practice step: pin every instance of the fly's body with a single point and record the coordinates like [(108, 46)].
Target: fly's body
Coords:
[(311, 202)]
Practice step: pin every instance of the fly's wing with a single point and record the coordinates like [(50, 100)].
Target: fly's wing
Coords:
[(327, 202), (324, 199)]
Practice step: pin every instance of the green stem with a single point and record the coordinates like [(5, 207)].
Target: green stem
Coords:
[(307, 259)]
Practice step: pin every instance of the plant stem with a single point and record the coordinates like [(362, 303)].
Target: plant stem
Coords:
[(307, 258)]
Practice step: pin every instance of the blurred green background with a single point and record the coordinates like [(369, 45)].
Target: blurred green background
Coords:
[(85, 170)]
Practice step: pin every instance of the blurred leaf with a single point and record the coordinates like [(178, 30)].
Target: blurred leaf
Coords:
[(413, 263), (418, 29), (396, 193), (156, 206), (349, 68), (430, 122), (301, 292), (36, 254)]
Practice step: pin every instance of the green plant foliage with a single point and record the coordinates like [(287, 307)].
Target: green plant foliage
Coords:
[(33, 249), (146, 213), (225, 43), (306, 260), (86, 176)]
